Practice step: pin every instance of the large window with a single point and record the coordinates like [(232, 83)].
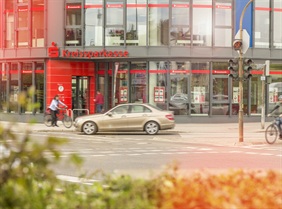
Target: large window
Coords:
[(9, 24), (114, 23), (199, 88), (158, 22), (24, 23), (73, 36), (138, 82), (277, 26), (180, 33), (23, 38), (223, 23), (3, 87), (136, 28), (37, 12), (202, 22), (179, 101), (94, 22), (262, 23), (158, 83)]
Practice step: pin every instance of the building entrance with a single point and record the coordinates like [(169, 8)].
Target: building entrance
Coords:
[(80, 95)]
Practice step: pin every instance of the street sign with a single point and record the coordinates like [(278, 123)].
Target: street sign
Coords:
[(245, 40)]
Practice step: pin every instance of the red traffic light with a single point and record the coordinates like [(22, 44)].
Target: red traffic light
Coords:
[(237, 44)]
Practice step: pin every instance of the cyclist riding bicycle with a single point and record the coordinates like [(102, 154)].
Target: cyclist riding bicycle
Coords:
[(279, 119), (54, 107)]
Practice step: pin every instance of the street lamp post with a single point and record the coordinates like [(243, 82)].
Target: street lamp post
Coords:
[(241, 104)]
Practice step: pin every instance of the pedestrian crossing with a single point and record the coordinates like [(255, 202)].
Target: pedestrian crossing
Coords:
[(163, 151)]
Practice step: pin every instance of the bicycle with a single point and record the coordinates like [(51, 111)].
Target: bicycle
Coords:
[(61, 116), (273, 131)]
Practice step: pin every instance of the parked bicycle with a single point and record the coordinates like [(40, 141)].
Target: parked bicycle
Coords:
[(61, 115), (273, 132)]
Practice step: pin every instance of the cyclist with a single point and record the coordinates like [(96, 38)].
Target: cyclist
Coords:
[(279, 119), (54, 107)]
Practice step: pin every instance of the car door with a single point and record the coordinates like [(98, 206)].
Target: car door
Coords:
[(138, 115), (115, 120)]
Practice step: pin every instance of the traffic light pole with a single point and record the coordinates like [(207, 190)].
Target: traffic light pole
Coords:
[(241, 104)]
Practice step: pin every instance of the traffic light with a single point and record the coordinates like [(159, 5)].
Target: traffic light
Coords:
[(233, 69), (247, 69), (237, 44)]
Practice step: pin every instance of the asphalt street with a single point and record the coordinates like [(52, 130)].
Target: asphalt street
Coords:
[(212, 147)]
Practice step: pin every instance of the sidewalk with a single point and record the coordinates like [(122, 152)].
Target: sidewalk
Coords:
[(216, 134)]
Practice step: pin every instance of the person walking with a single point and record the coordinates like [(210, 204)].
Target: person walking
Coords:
[(54, 107), (99, 101)]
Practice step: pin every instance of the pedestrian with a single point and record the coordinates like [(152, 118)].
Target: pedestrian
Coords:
[(54, 108), (279, 118), (99, 101)]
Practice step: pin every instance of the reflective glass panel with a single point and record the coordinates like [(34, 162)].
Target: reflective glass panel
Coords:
[(94, 22), (277, 26), (223, 37), (262, 23), (114, 12), (136, 28), (199, 88), (9, 23), (37, 11), (223, 13), (158, 22), (202, 22)]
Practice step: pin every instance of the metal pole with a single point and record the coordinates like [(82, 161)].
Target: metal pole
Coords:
[(263, 100), (241, 104)]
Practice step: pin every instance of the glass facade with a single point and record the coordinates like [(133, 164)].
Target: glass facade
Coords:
[(223, 23), (24, 23), (17, 78), (262, 24), (277, 26)]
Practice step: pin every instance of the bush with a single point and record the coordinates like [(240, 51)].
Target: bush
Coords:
[(27, 182)]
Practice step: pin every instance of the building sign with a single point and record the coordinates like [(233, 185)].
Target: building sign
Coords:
[(53, 52), (90, 54)]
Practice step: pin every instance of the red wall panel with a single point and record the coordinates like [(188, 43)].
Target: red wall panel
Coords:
[(59, 73)]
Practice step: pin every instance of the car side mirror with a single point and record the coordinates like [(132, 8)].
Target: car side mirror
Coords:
[(110, 114)]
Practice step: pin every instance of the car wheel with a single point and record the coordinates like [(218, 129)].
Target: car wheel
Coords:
[(152, 127), (89, 128)]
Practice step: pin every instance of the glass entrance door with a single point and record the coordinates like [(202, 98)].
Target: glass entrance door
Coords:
[(80, 95), (220, 98)]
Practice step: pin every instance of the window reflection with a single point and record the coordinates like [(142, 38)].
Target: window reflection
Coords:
[(158, 22), (3, 87), (202, 22), (179, 101), (200, 88), (136, 29), (138, 82), (93, 23), (38, 23), (262, 23), (180, 36), (114, 36), (114, 12), (73, 37), (14, 88), (73, 32), (277, 26), (9, 19)]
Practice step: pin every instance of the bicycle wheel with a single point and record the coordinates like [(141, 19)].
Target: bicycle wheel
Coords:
[(67, 121), (271, 133), (48, 120)]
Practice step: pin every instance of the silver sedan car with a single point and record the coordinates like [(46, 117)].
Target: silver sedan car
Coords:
[(127, 117)]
